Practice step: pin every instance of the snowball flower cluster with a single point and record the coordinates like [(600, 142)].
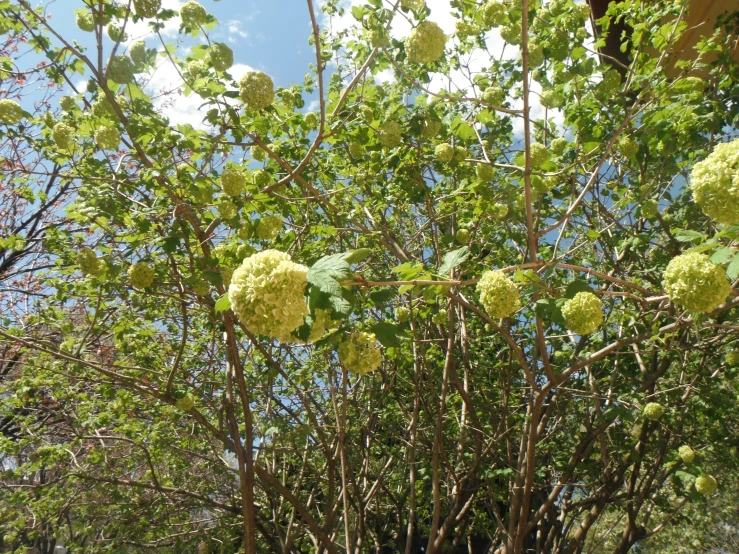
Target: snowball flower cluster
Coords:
[(141, 275), (402, 314), (137, 51), (260, 178), (115, 33), (498, 294), (147, 8), (62, 135), (706, 485), (686, 454), (221, 56), (693, 282), (426, 43), (269, 227), (193, 14), (493, 95), (732, 357), (444, 152), (267, 294), (552, 99), (626, 147), (10, 111), (107, 138), (233, 181), (186, 403), (493, 14), (390, 134), (89, 263), (120, 69), (430, 128), (654, 411), (85, 22), (485, 172), (227, 209), (201, 287), (360, 353), (463, 236), (582, 313), (412, 4), (558, 145), (67, 103), (715, 183), (257, 90), (539, 154)]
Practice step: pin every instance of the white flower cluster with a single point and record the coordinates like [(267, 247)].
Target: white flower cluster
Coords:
[(654, 411), (221, 56), (193, 14), (137, 51), (62, 135), (89, 263), (120, 69), (693, 282), (426, 43), (715, 183), (267, 294), (141, 275), (257, 90), (444, 152), (706, 485), (498, 294), (360, 353), (583, 313), (10, 111)]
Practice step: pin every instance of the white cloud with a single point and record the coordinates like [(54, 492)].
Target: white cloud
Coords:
[(167, 90), (235, 30)]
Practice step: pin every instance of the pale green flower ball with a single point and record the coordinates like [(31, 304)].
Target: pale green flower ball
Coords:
[(102, 108), (444, 152), (221, 56), (430, 128), (267, 294), (558, 145), (233, 181), (311, 120), (227, 209), (654, 411), (86, 22), (390, 134), (147, 8), (67, 103), (441, 317), (258, 153), (269, 227), (696, 284), (426, 43), (356, 150), (627, 147), (412, 4), (257, 90), (552, 99), (498, 210), (121, 70), (141, 275), (498, 294), (201, 287), (227, 274), (193, 14), (89, 263), (583, 313), (115, 33), (539, 154), (536, 55), (186, 403), (402, 314), (62, 135), (260, 178), (379, 38), (686, 454), (493, 96), (706, 485), (360, 353), (10, 111), (512, 33), (493, 14), (137, 51), (463, 236), (107, 138), (732, 357), (649, 208), (485, 172), (715, 183)]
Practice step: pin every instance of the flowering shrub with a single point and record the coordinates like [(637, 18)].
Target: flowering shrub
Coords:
[(10, 111), (257, 90), (89, 263), (425, 43), (107, 138), (141, 275), (221, 56), (706, 485), (583, 313), (62, 135), (444, 152), (147, 8), (686, 454), (498, 294), (193, 14), (693, 282), (269, 227), (654, 411), (233, 181)]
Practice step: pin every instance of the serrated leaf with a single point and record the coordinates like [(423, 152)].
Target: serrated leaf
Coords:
[(358, 255), (685, 235), (733, 270), (386, 333), (453, 259), (223, 304), (722, 255)]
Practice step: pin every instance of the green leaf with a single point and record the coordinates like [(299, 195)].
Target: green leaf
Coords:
[(733, 270), (381, 296), (356, 256), (722, 255), (223, 304), (453, 259), (577, 286), (685, 235), (387, 333)]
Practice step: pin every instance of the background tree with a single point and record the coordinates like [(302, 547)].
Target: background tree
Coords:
[(493, 316)]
